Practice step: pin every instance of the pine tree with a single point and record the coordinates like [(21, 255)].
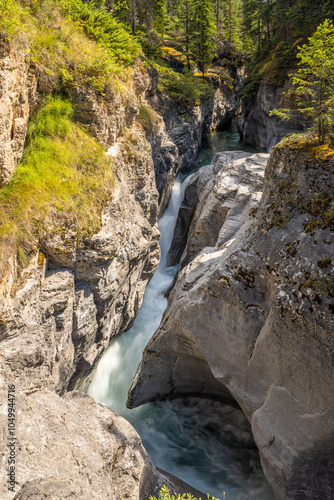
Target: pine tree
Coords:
[(232, 21), (252, 23), (202, 33), (314, 81), (160, 14), (184, 14)]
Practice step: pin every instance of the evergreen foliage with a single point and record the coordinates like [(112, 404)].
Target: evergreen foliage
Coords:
[(184, 87), (160, 13), (313, 82), (87, 46), (202, 33), (231, 18), (184, 11), (100, 26), (272, 31)]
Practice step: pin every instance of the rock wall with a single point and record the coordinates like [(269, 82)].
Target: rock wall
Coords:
[(81, 297), (17, 87), (23, 86), (250, 318), (177, 135), (260, 130), (58, 316), (55, 325), (74, 448), (74, 299)]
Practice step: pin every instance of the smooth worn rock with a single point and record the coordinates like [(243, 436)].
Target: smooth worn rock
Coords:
[(251, 315), (74, 448)]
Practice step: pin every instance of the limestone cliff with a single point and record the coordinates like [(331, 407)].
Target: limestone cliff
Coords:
[(17, 86), (59, 314), (81, 297), (259, 129), (179, 129), (250, 319)]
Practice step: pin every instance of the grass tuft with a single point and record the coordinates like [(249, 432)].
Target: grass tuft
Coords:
[(164, 494), (147, 117), (63, 170)]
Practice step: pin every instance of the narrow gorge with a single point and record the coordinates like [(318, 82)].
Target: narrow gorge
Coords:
[(166, 300)]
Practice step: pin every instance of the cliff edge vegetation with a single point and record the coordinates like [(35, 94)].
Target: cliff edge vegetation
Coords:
[(64, 174), (72, 42), (50, 49)]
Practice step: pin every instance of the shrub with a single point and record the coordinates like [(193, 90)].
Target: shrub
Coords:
[(184, 87), (164, 494), (72, 42), (98, 24), (12, 18)]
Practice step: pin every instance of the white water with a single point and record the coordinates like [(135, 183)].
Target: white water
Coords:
[(205, 443), (114, 373)]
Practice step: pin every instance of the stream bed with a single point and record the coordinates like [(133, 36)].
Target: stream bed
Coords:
[(205, 443)]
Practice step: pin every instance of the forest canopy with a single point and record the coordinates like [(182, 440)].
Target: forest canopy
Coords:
[(267, 32)]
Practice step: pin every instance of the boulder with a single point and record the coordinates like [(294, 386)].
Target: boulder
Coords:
[(74, 448)]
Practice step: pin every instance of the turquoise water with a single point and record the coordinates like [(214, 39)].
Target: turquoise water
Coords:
[(226, 139), (205, 443)]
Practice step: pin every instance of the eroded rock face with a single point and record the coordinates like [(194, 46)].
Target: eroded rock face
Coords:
[(106, 116), (17, 85), (72, 302), (55, 324), (259, 129), (251, 315), (178, 133), (58, 316), (23, 86)]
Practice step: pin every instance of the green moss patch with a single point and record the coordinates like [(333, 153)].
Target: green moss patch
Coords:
[(325, 286)]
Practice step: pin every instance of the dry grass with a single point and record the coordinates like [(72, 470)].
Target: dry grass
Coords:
[(66, 44)]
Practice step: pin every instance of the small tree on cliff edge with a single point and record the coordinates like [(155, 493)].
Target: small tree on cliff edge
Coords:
[(314, 81)]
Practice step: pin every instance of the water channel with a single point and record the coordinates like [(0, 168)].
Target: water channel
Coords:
[(205, 443)]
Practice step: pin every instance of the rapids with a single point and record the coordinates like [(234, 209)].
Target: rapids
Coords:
[(205, 443)]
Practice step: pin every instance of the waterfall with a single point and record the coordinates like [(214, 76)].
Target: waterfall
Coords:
[(205, 443), (113, 376)]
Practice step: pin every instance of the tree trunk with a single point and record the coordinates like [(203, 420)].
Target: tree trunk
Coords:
[(133, 16), (187, 33)]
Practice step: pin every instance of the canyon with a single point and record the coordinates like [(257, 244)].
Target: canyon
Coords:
[(248, 322), (245, 316)]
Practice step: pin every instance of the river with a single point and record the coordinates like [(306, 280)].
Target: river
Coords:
[(205, 443)]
